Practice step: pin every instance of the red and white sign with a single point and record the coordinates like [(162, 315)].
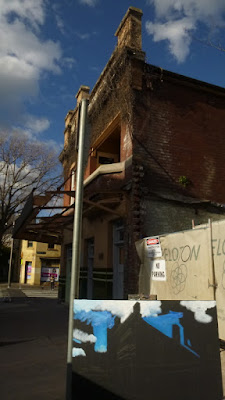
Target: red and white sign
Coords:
[(153, 247), (152, 241)]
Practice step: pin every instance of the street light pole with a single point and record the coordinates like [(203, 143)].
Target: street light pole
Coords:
[(77, 225), (10, 262)]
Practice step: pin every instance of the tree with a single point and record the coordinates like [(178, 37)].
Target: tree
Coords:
[(25, 164)]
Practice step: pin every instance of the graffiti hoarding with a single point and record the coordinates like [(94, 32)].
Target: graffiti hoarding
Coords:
[(125, 350), (218, 250), (187, 267)]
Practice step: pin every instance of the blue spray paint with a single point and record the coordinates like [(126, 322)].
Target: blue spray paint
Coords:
[(77, 341), (100, 321), (165, 323)]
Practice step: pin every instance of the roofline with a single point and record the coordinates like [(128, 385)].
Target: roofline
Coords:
[(191, 81)]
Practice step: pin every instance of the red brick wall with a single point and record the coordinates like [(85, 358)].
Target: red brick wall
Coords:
[(67, 186), (134, 231), (179, 131)]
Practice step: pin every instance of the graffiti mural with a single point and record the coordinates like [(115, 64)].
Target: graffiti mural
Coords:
[(178, 277), (131, 349)]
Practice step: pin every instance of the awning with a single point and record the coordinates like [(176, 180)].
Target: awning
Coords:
[(34, 225), (103, 192)]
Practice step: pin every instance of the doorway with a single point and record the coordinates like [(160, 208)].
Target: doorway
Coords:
[(118, 260), (28, 269)]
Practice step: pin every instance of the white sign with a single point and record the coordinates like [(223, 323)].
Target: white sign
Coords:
[(158, 270), (46, 274), (153, 247)]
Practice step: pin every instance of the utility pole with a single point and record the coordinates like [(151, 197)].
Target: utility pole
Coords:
[(10, 261), (76, 246)]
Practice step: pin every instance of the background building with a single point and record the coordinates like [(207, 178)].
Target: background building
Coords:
[(38, 262)]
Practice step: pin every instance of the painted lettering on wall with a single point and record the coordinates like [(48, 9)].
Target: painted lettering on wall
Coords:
[(183, 253), (218, 247)]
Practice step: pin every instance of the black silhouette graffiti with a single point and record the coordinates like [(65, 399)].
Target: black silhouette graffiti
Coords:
[(178, 277)]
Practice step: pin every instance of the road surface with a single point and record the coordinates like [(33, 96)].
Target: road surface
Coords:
[(33, 345)]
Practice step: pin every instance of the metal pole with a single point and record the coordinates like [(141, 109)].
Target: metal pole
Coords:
[(213, 285), (77, 225), (10, 263)]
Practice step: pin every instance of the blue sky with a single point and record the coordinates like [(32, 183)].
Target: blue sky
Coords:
[(48, 48)]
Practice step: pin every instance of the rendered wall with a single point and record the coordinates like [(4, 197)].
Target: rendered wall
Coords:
[(35, 254)]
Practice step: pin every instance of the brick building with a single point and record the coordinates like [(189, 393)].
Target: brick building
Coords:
[(155, 163)]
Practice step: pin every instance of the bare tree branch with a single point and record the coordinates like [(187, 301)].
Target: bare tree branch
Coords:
[(24, 164)]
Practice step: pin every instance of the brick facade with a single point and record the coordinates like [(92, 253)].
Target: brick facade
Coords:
[(179, 132), (171, 129)]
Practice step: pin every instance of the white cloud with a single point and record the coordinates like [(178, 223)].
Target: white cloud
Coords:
[(95, 69), (91, 3), (83, 36), (69, 62), (177, 19), (122, 309), (198, 9), (59, 21), (21, 44), (30, 10), (78, 352), (199, 309), (36, 125), (60, 24), (176, 32), (119, 308), (30, 129), (83, 336), (152, 308), (24, 56)]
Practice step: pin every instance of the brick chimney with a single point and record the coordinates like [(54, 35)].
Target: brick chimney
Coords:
[(83, 93), (129, 31)]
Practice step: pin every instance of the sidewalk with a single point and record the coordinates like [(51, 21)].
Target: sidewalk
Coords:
[(17, 290)]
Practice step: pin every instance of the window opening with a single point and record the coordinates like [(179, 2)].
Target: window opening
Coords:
[(118, 260), (72, 186), (108, 152)]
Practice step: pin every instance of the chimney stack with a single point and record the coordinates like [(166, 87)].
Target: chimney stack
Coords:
[(129, 32)]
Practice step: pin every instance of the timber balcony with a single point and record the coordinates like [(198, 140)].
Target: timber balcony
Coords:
[(104, 192)]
